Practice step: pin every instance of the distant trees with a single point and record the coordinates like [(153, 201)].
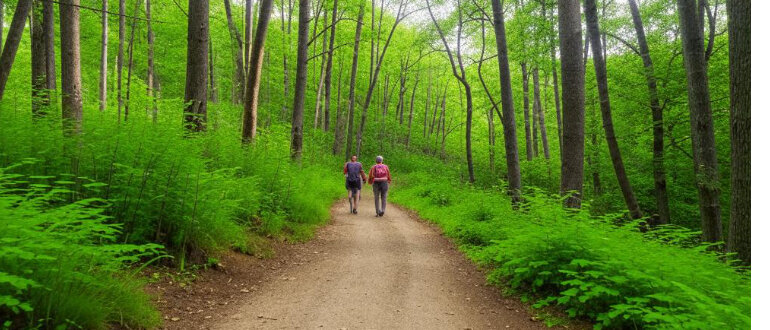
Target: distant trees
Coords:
[(41, 92), (121, 45), (196, 81), (240, 75), (573, 98), (103, 66), (352, 90), (72, 98)]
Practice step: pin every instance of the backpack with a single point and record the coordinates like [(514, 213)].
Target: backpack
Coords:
[(353, 176), (380, 171)]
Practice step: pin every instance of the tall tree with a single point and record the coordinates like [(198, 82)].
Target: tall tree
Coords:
[(555, 76), (600, 67), (525, 96), (121, 44), (151, 61), (701, 123), (298, 109), (739, 32), (538, 107), (72, 99), (506, 96), (401, 14), (319, 112), (2, 22), (247, 32), (131, 58), (352, 90), (50, 49), (573, 101), (103, 66), (411, 113), (459, 72), (240, 76), (255, 73), (658, 168), (340, 123), (196, 81), (41, 95), (329, 67), (12, 41)]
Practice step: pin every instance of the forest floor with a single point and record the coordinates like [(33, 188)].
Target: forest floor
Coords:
[(361, 271)]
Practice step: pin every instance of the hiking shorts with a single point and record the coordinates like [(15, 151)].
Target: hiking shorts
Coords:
[(353, 186)]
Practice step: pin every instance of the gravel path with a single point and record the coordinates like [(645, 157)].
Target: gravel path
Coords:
[(365, 272)]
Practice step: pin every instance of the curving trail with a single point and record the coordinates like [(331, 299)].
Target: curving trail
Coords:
[(394, 272)]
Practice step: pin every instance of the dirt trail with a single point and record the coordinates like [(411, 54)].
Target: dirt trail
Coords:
[(394, 272)]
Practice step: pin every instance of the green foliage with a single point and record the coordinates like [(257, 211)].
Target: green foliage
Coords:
[(595, 267), (61, 264)]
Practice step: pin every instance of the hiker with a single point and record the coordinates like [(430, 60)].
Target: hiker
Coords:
[(379, 178), (354, 175)]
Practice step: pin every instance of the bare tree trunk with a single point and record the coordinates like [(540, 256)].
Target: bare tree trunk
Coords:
[(71, 100), (247, 35), (131, 59), (701, 123), (121, 45), (41, 95), (556, 96), (2, 24), (240, 77), (739, 32), (251, 100), (352, 92), (12, 42), (319, 112), (103, 67), (151, 62), (341, 120), (600, 68), (213, 90), (329, 67), (427, 107), (540, 113), (195, 95), (506, 95), (525, 91), (658, 167), (573, 85), (50, 50), (301, 82), (411, 113), (459, 72)]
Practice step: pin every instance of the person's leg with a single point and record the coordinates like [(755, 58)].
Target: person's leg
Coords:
[(350, 196), (356, 193), (384, 197), (376, 187)]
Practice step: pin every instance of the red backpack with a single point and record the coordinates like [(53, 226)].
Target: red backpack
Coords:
[(380, 172)]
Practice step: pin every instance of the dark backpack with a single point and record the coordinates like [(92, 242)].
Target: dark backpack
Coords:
[(354, 173)]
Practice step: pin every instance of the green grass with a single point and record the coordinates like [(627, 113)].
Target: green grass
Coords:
[(600, 268)]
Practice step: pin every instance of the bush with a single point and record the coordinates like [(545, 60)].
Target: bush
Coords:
[(591, 266)]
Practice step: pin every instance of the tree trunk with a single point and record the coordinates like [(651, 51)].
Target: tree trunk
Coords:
[(573, 83), (701, 123), (525, 91), (739, 32), (658, 167), (540, 113), (240, 76), (319, 112), (298, 109), (12, 42), (251, 101), (329, 67), (103, 67), (600, 68), (411, 113), (427, 107), (131, 59), (121, 45), (195, 94), (247, 29), (2, 22), (506, 95), (151, 62), (493, 108), (213, 90), (556, 96), (352, 91), (71, 100), (341, 120), (41, 95)]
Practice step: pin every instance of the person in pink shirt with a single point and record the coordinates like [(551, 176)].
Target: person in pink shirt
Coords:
[(379, 178)]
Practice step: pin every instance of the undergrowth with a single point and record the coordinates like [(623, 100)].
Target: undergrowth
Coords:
[(600, 268)]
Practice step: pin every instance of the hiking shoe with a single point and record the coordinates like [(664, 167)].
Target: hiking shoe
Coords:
[(382, 213), (355, 211)]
